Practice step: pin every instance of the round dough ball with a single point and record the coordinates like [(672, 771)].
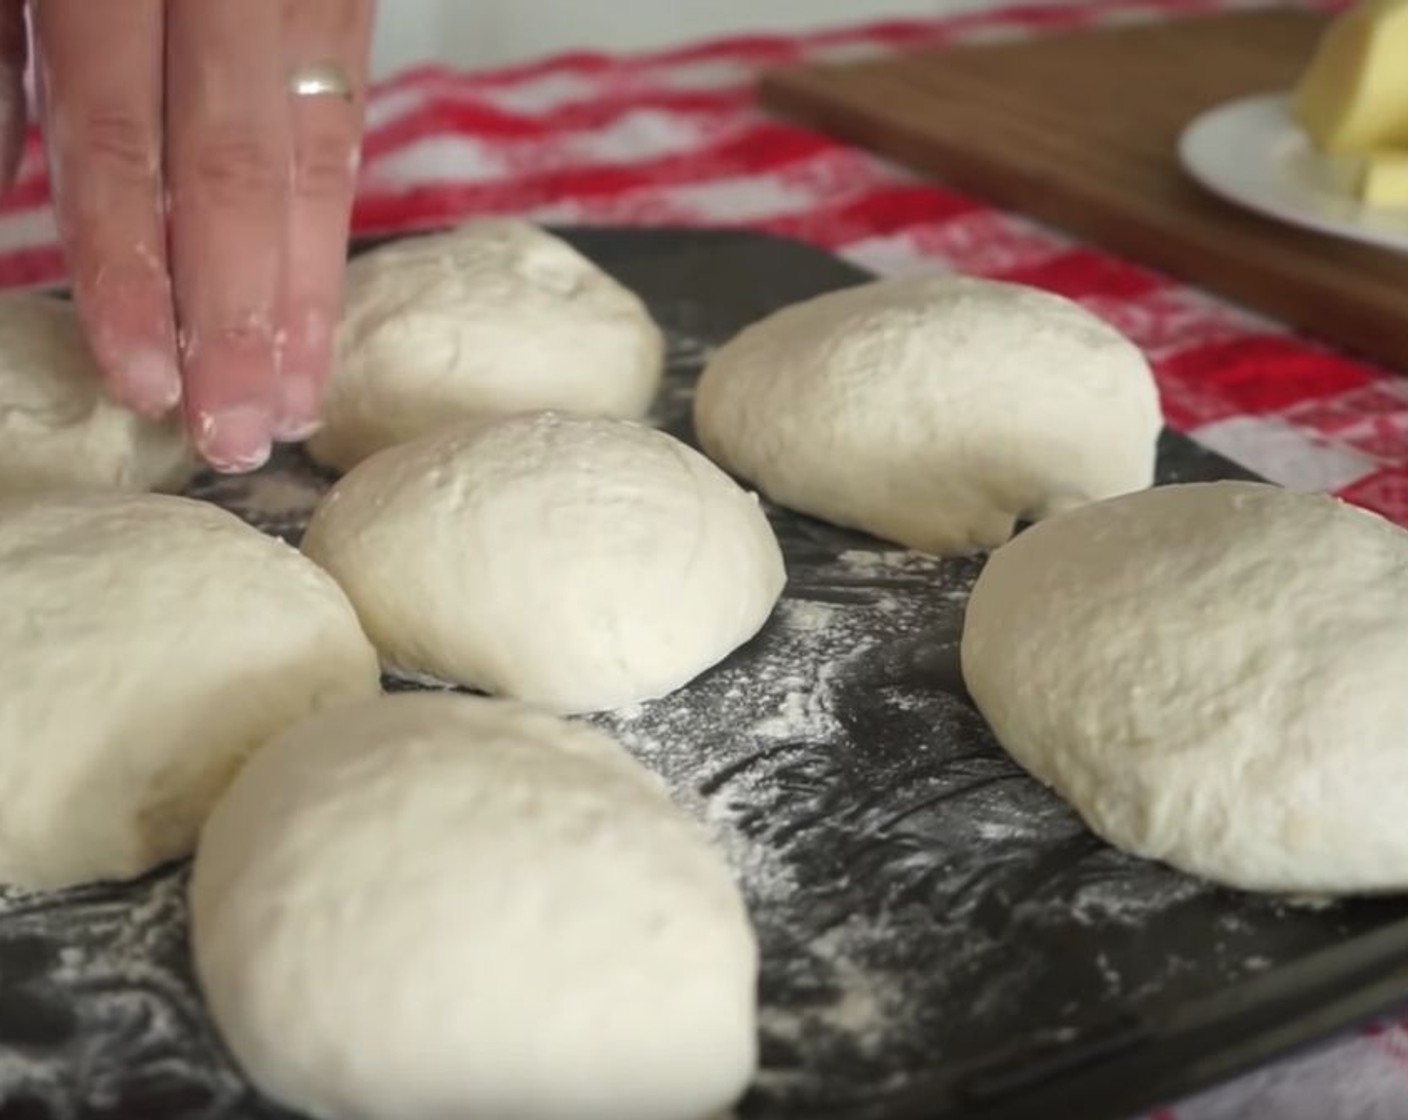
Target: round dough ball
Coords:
[(581, 564), (147, 645), (1214, 676), (494, 317), (434, 905), (59, 431), (932, 411)]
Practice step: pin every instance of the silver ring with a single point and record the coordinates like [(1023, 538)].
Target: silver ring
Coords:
[(320, 79)]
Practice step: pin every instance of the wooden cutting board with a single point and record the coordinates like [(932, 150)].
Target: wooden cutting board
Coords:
[(1081, 130)]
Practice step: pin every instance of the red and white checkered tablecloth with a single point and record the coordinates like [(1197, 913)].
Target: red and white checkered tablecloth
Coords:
[(673, 138)]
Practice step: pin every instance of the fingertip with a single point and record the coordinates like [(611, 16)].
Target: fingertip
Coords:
[(294, 430), (231, 386), (147, 382), (304, 361), (125, 308), (300, 398), (235, 440)]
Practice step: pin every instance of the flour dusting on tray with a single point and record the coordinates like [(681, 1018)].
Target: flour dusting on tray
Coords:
[(921, 903)]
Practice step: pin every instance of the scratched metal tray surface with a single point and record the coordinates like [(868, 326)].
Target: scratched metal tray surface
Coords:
[(941, 937)]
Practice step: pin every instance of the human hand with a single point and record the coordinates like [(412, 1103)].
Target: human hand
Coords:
[(202, 201)]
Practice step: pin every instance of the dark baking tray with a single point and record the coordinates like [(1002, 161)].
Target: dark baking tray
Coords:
[(941, 937)]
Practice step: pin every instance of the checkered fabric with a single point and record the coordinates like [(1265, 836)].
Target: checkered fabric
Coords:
[(673, 138)]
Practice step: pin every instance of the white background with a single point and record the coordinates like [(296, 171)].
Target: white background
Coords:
[(476, 33)]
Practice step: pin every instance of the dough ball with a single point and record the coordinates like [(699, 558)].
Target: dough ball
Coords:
[(496, 316), (932, 411), (432, 906), (1214, 676), (59, 431), (147, 645), (581, 564)]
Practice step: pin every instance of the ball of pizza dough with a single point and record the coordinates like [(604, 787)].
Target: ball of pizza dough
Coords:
[(148, 644), (59, 431), (580, 564), (1214, 676), (932, 411), (434, 905), (493, 317)]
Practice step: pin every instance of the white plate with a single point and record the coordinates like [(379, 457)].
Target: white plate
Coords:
[(1253, 153)]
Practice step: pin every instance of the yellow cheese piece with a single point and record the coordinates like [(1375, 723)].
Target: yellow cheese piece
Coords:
[(1384, 180), (1354, 95)]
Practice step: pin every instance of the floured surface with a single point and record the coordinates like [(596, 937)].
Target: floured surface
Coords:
[(921, 904)]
